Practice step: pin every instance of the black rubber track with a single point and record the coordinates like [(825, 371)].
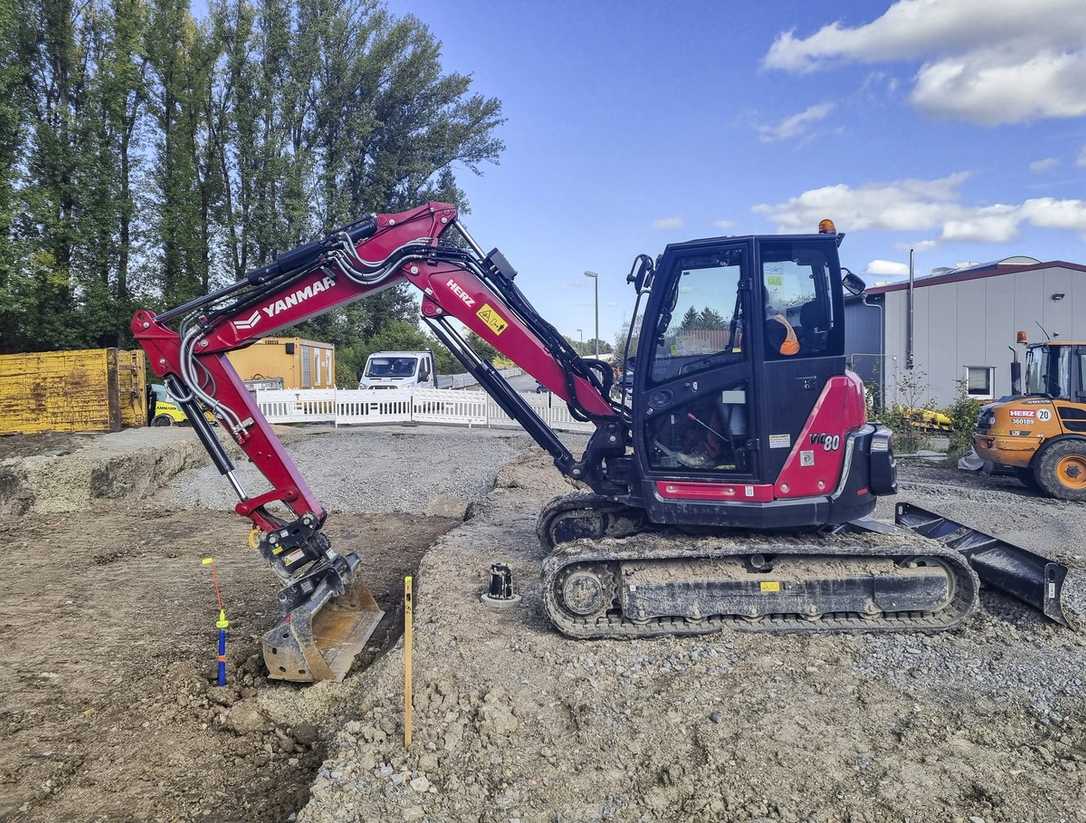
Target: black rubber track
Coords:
[(669, 545)]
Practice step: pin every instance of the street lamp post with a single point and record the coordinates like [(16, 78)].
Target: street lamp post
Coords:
[(580, 333), (596, 340)]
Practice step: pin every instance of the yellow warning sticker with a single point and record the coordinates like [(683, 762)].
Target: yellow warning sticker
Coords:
[(493, 320), (770, 585)]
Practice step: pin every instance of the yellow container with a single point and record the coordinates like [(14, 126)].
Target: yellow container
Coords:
[(298, 363), (72, 391)]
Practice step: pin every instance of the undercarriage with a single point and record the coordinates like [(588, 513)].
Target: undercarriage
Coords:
[(610, 576)]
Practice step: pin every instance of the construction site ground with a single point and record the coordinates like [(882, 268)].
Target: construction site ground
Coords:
[(108, 710)]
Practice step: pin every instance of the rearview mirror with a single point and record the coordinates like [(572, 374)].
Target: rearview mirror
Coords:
[(853, 283), (641, 272)]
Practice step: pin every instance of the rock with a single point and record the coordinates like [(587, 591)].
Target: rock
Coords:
[(428, 762), (420, 784), (245, 718), (496, 720), (223, 695), (453, 737), (413, 813), (657, 799), (306, 733), (715, 717), (671, 775), (496, 695)]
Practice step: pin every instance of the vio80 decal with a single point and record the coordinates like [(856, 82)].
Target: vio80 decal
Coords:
[(829, 442)]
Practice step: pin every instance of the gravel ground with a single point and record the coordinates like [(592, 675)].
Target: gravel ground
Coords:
[(517, 723), (433, 470)]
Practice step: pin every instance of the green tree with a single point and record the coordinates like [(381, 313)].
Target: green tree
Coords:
[(690, 320), (146, 158)]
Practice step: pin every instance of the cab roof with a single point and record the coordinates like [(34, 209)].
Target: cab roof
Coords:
[(740, 238)]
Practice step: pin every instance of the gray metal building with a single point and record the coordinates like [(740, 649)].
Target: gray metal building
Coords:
[(963, 322)]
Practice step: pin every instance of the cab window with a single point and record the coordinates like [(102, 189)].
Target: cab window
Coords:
[(801, 319), (704, 326)]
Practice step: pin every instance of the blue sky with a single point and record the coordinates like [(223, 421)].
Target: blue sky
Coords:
[(957, 126), (633, 124)]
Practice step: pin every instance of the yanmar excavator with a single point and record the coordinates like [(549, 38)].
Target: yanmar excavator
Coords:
[(724, 487)]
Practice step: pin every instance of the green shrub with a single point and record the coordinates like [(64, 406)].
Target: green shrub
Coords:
[(963, 413), (901, 416)]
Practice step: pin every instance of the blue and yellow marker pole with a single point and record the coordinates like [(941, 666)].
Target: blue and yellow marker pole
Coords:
[(222, 624)]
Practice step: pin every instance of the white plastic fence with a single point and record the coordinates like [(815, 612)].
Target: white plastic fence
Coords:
[(464, 380), (345, 407)]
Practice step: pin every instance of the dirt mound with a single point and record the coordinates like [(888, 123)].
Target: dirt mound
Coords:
[(513, 721), (73, 473)]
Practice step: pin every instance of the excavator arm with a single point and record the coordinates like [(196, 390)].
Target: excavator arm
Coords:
[(328, 615)]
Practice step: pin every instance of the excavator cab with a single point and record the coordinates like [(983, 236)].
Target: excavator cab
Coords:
[(742, 339)]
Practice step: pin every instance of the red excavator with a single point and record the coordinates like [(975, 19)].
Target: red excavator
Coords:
[(727, 476)]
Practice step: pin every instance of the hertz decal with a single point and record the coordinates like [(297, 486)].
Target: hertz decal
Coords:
[(494, 321)]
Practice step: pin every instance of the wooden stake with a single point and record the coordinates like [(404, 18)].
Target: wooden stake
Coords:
[(408, 646)]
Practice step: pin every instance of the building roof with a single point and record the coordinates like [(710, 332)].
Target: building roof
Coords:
[(1009, 265)]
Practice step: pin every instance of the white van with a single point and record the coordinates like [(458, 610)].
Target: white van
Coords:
[(398, 369)]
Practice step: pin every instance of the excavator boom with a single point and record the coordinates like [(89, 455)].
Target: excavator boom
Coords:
[(328, 614)]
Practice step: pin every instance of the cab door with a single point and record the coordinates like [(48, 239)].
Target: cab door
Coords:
[(694, 382), (802, 336)]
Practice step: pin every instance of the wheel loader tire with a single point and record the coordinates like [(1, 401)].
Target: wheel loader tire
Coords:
[(1060, 469), (162, 420)]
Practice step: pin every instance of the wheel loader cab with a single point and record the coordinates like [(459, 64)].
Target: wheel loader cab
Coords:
[(1057, 369), (740, 340)]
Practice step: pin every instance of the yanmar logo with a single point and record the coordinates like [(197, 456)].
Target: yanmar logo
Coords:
[(300, 296), (249, 322), (469, 301), (281, 305)]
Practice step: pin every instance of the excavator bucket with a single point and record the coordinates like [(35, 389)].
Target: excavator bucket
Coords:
[(319, 639)]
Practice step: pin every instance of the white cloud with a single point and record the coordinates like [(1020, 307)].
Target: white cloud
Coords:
[(1080, 161), (988, 61), (796, 125), (992, 224), (1050, 213), (903, 205), (1043, 165), (668, 223), (917, 245), (991, 87), (723, 223), (922, 205), (886, 268)]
